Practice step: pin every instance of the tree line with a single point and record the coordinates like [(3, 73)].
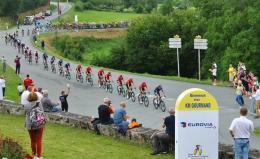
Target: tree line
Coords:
[(11, 8), (231, 27)]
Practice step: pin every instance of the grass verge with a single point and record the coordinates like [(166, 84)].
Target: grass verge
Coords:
[(97, 16), (62, 142), (257, 132), (12, 81)]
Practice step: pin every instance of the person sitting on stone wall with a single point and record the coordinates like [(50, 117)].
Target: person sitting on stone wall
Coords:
[(47, 104)]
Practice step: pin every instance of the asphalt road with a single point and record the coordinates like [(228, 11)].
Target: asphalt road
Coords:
[(85, 100)]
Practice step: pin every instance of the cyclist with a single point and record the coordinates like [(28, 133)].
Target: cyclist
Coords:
[(60, 62), (107, 77), (129, 84), (30, 56), (142, 87), (53, 60), (157, 91), (78, 70), (36, 55), (67, 67), (88, 72), (100, 74), (45, 58), (120, 80), (26, 52)]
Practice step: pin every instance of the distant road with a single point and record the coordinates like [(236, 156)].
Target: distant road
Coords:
[(85, 100)]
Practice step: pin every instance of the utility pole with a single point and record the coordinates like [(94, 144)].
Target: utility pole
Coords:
[(58, 5)]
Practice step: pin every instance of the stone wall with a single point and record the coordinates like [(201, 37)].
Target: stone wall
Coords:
[(137, 135)]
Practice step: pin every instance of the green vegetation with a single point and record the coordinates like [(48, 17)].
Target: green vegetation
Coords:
[(4, 22), (98, 16), (12, 81), (61, 142), (257, 131), (10, 149)]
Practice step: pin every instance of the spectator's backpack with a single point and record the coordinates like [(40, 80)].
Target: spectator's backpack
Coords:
[(37, 117)]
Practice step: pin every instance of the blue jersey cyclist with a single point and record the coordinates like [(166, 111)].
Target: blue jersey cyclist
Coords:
[(60, 62), (67, 66), (53, 59), (45, 57), (157, 91)]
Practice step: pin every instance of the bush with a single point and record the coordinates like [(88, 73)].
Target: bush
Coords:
[(88, 6), (79, 6), (11, 149)]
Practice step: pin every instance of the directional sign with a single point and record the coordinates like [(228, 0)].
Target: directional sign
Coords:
[(174, 43), (201, 44)]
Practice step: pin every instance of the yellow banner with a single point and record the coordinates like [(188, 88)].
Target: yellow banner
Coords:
[(196, 99)]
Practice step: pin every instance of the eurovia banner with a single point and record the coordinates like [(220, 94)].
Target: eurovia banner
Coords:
[(197, 124)]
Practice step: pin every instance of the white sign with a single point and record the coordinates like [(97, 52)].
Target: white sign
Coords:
[(201, 44), (174, 43), (76, 18), (197, 125)]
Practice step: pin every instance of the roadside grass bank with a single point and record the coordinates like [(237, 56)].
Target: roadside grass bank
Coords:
[(61, 142), (97, 16), (12, 81), (257, 132)]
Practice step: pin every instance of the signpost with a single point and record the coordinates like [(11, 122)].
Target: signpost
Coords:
[(197, 125), (175, 43), (200, 44)]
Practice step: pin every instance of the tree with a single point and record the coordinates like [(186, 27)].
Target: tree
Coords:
[(167, 7)]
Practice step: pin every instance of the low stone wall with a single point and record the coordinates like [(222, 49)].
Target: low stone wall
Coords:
[(137, 135)]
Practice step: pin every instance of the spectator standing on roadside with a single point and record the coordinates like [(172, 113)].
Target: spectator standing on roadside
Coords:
[(256, 95), (17, 65), (239, 93), (3, 64), (213, 71), (43, 44), (162, 140), (27, 81), (241, 129), (104, 112), (47, 104), (63, 99), (2, 83), (35, 132), (231, 74)]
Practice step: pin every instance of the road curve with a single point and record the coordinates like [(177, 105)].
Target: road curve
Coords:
[(85, 100)]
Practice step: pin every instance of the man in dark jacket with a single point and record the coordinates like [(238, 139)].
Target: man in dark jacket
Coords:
[(104, 112)]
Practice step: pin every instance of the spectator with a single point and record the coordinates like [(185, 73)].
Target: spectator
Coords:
[(47, 104), (34, 132), (239, 94), (104, 112), (2, 83), (63, 99), (134, 124), (17, 65), (4, 64), (162, 140), (213, 70), (120, 117), (24, 96), (240, 129), (20, 89), (231, 74), (27, 81), (42, 44), (256, 95)]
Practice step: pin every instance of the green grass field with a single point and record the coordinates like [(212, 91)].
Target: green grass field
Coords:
[(12, 81), (257, 132), (60, 142), (98, 16), (4, 22)]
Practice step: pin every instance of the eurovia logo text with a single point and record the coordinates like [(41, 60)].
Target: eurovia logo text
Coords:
[(197, 124)]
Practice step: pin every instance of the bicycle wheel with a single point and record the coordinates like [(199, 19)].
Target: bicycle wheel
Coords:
[(90, 80), (140, 99), (162, 106), (119, 89), (123, 91), (133, 97), (155, 103), (146, 101), (80, 78), (100, 84), (69, 76), (54, 69), (110, 88)]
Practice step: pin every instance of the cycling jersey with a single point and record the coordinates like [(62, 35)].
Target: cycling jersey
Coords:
[(157, 90), (78, 69), (36, 54), (101, 72), (60, 62), (45, 56), (142, 86), (88, 70), (67, 66), (52, 60), (107, 76), (120, 79), (129, 83)]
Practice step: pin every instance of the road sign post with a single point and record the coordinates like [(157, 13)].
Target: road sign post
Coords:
[(200, 44), (175, 43), (196, 125)]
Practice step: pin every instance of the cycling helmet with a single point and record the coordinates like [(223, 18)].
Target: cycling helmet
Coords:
[(109, 73), (131, 80)]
